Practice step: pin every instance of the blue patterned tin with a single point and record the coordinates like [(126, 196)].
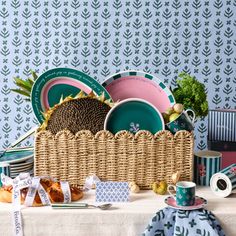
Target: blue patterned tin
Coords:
[(5, 169), (224, 182), (206, 164)]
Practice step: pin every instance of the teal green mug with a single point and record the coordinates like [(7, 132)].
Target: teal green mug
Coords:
[(182, 122), (184, 193)]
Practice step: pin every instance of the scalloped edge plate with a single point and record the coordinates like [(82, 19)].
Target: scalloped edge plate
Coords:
[(139, 84)]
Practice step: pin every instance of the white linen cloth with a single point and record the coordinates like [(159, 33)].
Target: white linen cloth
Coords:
[(129, 219)]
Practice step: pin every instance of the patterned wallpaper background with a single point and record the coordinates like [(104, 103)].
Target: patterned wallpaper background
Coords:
[(103, 37)]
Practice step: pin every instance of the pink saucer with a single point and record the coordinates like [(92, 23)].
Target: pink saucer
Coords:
[(199, 203)]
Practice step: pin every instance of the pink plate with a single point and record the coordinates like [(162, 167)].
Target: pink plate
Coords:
[(199, 203), (136, 84)]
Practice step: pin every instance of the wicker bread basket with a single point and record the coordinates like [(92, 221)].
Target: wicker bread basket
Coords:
[(143, 157)]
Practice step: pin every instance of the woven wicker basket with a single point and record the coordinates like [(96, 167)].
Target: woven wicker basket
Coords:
[(143, 157)]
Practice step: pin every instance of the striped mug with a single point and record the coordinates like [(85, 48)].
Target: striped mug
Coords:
[(206, 163)]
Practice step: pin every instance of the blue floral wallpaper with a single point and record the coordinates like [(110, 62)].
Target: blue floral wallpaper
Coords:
[(103, 37)]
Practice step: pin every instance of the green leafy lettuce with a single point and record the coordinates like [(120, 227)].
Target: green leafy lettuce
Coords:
[(191, 93)]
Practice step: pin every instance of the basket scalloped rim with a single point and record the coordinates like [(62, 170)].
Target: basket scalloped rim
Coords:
[(120, 135)]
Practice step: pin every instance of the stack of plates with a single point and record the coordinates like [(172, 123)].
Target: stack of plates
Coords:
[(20, 160), (24, 166)]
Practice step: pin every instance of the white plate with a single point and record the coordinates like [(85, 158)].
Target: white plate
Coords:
[(31, 172), (21, 167), (24, 163), (21, 170)]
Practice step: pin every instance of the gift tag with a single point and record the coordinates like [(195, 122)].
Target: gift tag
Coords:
[(112, 192)]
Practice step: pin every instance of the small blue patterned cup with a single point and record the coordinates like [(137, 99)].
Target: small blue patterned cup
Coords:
[(185, 193), (5, 169)]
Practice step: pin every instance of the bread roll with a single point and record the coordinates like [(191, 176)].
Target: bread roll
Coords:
[(52, 188), (5, 194), (76, 193)]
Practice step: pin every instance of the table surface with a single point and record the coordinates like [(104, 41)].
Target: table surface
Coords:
[(122, 219)]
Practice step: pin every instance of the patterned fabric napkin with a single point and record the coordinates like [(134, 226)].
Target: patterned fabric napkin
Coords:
[(171, 222)]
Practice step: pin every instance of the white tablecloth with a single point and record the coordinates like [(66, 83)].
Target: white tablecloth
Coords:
[(124, 219)]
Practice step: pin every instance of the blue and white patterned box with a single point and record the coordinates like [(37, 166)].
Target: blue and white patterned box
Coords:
[(112, 191)]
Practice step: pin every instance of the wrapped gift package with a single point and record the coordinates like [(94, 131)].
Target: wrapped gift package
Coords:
[(222, 134), (143, 158), (228, 150), (222, 125)]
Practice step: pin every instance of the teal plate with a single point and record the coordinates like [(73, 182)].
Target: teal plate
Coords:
[(14, 157), (61, 82), (134, 115)]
